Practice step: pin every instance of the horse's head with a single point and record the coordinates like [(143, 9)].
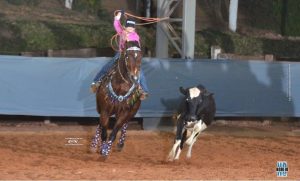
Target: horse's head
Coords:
[(133, 60)]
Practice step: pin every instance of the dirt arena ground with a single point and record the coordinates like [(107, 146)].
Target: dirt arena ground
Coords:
[(222, 152)]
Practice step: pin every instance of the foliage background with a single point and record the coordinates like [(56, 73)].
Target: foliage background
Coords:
[(38, 25)]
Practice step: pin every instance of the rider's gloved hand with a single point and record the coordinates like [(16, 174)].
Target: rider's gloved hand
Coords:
[(118, 16), (122, 12)]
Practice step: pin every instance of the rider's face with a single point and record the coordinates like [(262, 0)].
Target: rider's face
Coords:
[(130, 29)]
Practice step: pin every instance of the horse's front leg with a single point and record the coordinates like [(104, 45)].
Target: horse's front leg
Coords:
[(96, 139), (106, 146), (122, 137), (122, 121), (104, 125)]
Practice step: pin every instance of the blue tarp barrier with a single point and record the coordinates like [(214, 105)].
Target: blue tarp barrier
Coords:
[(43, 86)]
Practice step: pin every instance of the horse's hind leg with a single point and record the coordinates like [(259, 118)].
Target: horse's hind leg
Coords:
[(96, 139), (122, 137)]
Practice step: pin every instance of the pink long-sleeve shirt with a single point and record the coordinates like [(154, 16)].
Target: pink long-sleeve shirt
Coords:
[(125, 36)]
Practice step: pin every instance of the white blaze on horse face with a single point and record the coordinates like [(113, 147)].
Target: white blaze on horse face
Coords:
[(194, 92), (135, 55)]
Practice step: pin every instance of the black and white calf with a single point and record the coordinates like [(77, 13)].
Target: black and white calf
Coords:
[(196, 112)]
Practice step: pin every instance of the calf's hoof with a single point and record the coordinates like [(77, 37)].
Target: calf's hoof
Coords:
[(171, 157)]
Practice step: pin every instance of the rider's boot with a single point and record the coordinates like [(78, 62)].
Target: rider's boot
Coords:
[(143, 94), (94, 86)]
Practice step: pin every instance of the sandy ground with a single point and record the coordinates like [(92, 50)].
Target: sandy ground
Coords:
[(222, 152)]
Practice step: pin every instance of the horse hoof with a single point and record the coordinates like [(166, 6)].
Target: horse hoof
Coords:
[(120, 147), (104, 155), (93, 150), (103, 158)]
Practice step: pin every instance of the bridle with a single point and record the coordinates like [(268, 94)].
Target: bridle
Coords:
[(134, 48), (113, 94)]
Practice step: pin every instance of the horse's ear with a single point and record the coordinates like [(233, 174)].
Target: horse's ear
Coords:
[(183, 91)]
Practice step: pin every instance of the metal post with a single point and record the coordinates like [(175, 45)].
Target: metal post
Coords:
[(233, 13), (165, 31), (161, 39), (188, 28), (148, 8)]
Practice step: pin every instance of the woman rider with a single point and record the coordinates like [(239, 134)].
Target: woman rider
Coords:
[(126, 35)]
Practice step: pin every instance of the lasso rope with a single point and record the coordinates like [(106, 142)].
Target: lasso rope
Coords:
[(114, 38)]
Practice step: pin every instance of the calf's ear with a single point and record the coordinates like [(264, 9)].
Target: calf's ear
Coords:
[(208, 94), (183, 91)]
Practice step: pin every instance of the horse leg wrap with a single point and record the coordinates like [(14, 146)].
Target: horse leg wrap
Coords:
[(123, 134), (106, 147), (96, 139)]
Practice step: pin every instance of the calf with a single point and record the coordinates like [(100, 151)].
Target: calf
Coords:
[(196, 112)]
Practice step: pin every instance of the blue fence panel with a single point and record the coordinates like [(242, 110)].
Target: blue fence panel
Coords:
[(44, 86)]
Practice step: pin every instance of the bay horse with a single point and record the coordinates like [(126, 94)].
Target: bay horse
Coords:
[(118, 94)]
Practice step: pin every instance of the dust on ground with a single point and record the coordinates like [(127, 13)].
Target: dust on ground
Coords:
[(222, 152)]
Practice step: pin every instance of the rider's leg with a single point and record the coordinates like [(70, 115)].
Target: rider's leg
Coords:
[(105, 69), (144, 88)]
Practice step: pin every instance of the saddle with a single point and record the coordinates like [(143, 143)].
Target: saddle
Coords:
[(94, 87), (109, 74)]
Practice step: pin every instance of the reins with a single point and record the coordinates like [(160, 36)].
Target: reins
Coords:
[(119, 70), (113, 94), (134, 48)]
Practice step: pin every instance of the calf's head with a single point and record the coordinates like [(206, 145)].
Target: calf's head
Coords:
[(194, 101)]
